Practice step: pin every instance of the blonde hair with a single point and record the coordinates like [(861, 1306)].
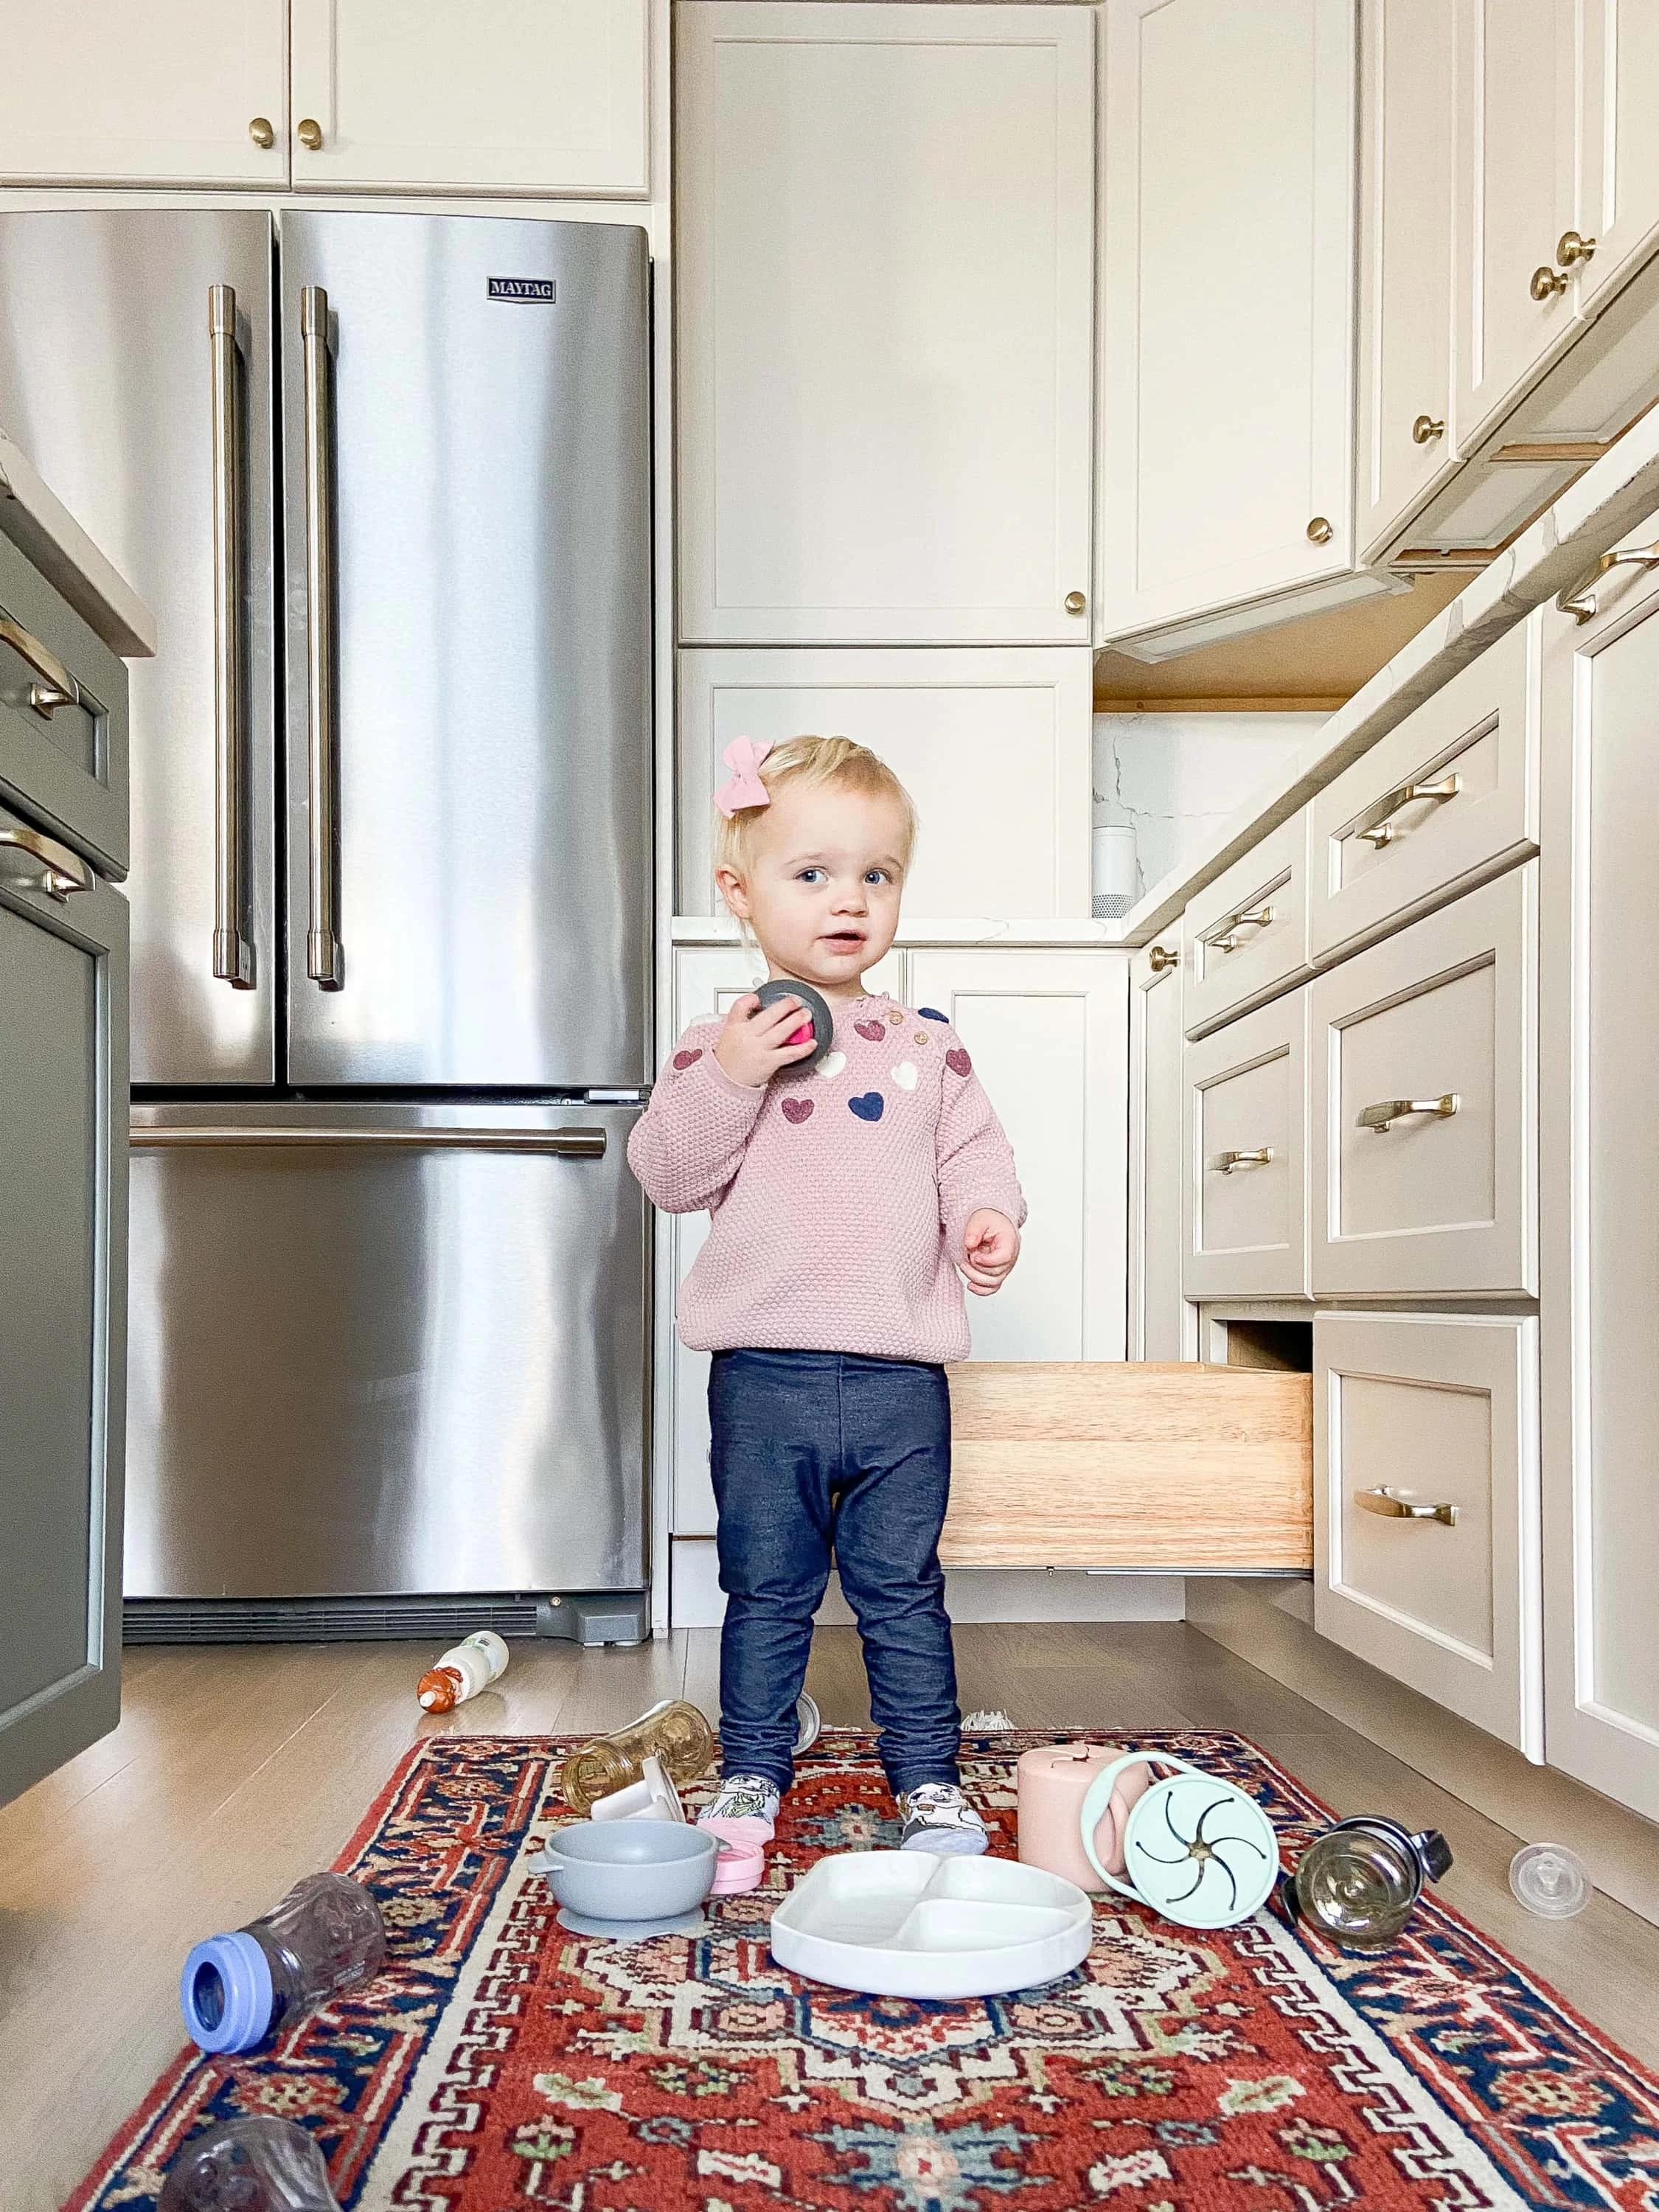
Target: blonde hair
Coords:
[(812, 761)]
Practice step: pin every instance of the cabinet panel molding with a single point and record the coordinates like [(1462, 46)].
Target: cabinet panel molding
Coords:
[(956, 728), (1245, 1176), (516, 96), (1414, 1413), (885, 317), (1160, 1322)]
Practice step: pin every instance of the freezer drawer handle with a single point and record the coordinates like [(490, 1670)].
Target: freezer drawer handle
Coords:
[(58, 687), (1382, 1117), (566, 1144), (62, 872), (1392, 1507), (232, 954), (324, 956)]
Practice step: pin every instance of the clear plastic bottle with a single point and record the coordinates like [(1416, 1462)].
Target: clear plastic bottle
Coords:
[(237, 1990), (249, 2166)]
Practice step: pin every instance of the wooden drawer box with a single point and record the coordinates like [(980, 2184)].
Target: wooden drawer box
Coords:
[(63, 719), (1246, 934), (1414, 1413), (1104, 1463), (1440, 1018), (1243, 1183), (1445, 800)]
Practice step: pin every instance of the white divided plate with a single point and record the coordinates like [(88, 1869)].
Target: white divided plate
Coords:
[(917, 1924)]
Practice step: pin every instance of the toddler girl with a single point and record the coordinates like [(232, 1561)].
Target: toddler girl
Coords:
[(848, 1205)]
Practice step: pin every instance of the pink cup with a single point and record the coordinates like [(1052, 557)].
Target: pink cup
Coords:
[(1052, 1783)]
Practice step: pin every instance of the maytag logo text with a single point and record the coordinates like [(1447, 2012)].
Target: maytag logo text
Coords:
[(523, 287)]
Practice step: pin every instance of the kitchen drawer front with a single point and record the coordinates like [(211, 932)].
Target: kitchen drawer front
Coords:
[(1441, 1018), (1412, 1413), (1244, 1216), (1380, 855), (62, 718), (1246, 934)]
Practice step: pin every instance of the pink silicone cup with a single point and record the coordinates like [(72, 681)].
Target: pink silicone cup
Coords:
[(741, 1863)]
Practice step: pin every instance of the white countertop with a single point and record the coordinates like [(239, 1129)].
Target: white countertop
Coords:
[(42, 527), (1605, 504)]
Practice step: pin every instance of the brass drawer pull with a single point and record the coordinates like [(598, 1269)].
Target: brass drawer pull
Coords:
[(1426, 428), (58, 687), (1569, 247), (1579, 599), (1382, 1117), (1545, 283), (1261, 1158), (1392, 1507), (61, 871), (1161, 957), (1381, 832), (1227, 938)]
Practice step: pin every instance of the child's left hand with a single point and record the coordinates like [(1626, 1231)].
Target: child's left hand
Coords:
[(990, 1246)]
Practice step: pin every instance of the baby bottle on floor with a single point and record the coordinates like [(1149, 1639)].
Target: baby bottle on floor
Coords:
[(471, 1666), (249, 2166), (237, 1990)]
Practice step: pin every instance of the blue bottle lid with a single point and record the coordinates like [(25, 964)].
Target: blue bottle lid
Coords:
[(226, 1994)]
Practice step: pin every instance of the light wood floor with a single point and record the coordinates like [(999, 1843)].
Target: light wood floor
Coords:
[(235, 1771)]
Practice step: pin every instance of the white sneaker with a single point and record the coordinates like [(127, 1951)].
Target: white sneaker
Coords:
[(939, 1818), (743, 1797)]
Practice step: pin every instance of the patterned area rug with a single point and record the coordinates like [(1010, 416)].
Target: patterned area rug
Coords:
[(500, 2061)]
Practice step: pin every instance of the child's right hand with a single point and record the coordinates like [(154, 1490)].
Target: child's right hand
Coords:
[(755, 1042)]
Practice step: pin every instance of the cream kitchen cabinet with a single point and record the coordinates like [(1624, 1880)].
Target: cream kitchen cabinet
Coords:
[(1423, 1126), (1405, 438), (1048, 1034), (884, 223), (976, 735), (1427, 1555), (505, 97), (1600, 1194), (1244, 1167), (190, 92), (1245, 936), (1226, 415), (502, 96), (1047, 1031), (1159, 1326)]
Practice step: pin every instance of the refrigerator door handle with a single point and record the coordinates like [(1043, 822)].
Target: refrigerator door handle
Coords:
[(233, 952), (565, 1144), (324, 956)]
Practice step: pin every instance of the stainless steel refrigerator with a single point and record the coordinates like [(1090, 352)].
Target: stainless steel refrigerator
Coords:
[(384, 480)]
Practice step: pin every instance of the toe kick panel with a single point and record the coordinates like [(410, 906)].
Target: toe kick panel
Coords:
[(1426, 1508)]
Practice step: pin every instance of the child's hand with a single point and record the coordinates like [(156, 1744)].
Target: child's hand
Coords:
[(990, 1246), (755, 1042)]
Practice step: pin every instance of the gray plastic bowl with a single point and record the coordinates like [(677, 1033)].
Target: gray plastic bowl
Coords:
[(629, 1870)]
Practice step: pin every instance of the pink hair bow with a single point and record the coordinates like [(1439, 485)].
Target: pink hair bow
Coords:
[(743, 788)]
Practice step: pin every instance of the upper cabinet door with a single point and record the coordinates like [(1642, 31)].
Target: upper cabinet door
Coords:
[(885, 233), (1226, 454), (174, 92), (1619, 147), (472, 95), (1516, 129), (1406, 133)]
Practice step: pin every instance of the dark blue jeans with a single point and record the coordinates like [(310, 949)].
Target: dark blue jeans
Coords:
[(816, 1452)]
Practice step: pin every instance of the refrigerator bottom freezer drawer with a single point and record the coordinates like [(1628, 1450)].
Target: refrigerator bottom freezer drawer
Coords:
[(383, 1349)]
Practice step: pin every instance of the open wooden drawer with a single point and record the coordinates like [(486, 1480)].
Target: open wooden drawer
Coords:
[(1128, 1465)]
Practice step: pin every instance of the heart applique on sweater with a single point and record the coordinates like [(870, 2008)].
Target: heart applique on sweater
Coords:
[(870, 1107), (796, 1109), (958, 1062), (875, 1032), (684, 1060)]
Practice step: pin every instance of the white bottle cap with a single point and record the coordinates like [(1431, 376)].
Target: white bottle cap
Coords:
[(1550, 1879)]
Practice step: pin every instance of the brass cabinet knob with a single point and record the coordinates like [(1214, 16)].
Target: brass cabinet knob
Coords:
[(310, 134), (1545, 283), (1075, 603), (1571, 248), (1161, 957), (1319, 531), (1426, 428), (260, 132)]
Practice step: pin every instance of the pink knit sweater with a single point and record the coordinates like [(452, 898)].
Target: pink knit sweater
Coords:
[(838, 1200)]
